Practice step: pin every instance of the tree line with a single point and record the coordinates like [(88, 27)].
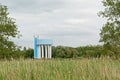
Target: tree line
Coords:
[(90, 51)]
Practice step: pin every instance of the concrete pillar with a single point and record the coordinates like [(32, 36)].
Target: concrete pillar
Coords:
[(50, 51), (42, 52), (46, 52), (39, 51)]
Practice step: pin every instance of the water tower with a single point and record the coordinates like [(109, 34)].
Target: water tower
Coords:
[(42, 48)]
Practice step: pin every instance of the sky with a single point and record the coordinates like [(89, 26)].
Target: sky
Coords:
[(68, 22)]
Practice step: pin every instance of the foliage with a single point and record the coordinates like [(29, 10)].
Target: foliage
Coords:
[(64, 52), (112, 10), (28, 53), (110, 33), (8, 30), (83, 51), (90, 51)]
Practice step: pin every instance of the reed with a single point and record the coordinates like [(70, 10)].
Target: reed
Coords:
[(58, 69)]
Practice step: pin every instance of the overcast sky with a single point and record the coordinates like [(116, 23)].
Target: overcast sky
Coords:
[(67, 22)]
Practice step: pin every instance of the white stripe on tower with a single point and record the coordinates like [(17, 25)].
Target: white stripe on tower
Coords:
[(42, 51), (50, 51), (46, 51)]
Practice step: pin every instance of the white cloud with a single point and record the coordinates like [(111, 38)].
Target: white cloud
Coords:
[(75, 21), (67, 22)]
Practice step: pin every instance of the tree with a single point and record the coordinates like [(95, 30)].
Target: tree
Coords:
[(8, 29), (110, 32), (28, 53), (64, 52)]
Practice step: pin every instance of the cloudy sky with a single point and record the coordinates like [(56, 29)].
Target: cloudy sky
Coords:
[(67, 22)]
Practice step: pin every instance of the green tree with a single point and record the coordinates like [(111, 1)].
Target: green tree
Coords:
[(110, 32), (64, 52), (28, 53), (8, 29)]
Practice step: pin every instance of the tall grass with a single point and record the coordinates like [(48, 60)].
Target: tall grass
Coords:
[(57, 69)]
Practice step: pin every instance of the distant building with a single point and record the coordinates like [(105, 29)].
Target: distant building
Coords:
[(42, 48)]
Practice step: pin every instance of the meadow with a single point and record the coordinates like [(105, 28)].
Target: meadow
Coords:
[(60, 69)]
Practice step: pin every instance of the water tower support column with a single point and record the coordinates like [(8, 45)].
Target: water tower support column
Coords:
[(42, 51), (50, 51), (46, 52)]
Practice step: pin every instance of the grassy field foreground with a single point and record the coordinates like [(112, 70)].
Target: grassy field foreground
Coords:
[(85, 69)]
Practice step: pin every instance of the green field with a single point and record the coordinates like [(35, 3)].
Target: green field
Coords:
[(60, 69)]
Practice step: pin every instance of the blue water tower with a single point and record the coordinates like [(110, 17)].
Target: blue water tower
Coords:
[(42, 48)]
